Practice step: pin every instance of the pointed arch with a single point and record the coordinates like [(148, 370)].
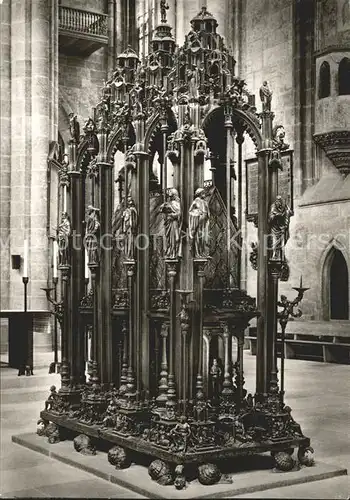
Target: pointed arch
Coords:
[(344, 76), (324, 82), (335, 282)]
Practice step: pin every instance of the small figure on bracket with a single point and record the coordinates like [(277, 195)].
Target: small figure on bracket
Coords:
[(279, 135), (279, 218), (215, 376), (199, 224), (193, 85), (74, 128), (163, 8), (265, 96), (92, 234), (89, 127), (130, 223), (181, 433), (172, 211), (49, 403), (64, 232)]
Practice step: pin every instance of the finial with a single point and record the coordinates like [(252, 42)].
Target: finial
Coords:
[(163, 8)]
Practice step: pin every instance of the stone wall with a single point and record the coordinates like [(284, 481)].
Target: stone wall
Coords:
[(81, 78), (31, 98), (333, 23), (315, 230), (80, 84), (267, 54), (332, 113), (5, 144)]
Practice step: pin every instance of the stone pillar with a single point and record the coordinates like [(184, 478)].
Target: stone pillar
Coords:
[(33, 98), (5, 140)]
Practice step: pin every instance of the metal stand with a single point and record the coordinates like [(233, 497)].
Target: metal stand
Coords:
[(55, 366), (283, 317), (25, 283), (26, 366)]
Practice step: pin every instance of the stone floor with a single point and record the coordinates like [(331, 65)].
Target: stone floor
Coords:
[(318, 393)]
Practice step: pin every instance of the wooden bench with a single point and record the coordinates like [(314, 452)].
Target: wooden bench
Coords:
[(321, 341)]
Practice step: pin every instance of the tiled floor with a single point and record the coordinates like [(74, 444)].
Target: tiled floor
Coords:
[(318, 393)]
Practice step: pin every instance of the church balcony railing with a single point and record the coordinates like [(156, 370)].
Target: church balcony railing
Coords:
[(81, 32)]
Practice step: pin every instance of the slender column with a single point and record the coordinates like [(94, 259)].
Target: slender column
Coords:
[(185, 322), (164, 185), (94, 377), (200, 263), (240, 140), (172, 271), (273, 297), (65, 368), (274, 270), (142, 307), (124, 371), (78, 285), (239, 366), (111, 34), (107, 366), (119, 32), (130, 266), (228, 127), (264, 202), (227, 384), (125, 141), (163, 381)]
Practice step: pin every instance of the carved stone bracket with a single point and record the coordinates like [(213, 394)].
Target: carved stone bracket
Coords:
[(337, 147)]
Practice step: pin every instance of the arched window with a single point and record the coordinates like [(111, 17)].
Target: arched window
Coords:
[(338, 287), (324, 85), (344, 76)]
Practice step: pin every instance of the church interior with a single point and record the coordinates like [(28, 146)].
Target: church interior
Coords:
[(175, 248)]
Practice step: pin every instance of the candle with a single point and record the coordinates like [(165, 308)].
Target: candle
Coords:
[(55, 259), (301, 282), (86, 265), (25, 259)]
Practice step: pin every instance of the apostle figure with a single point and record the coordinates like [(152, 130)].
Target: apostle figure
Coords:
[(265, 96), (64, 232), (163, 8), (193, 77), (172, 224), (92, 234), (279, 218), (130, 222), (199, 224), (215, 376)]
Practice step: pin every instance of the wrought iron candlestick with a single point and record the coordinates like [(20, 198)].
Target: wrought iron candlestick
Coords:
[(25, 280), (284, 316), (55, 366)]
